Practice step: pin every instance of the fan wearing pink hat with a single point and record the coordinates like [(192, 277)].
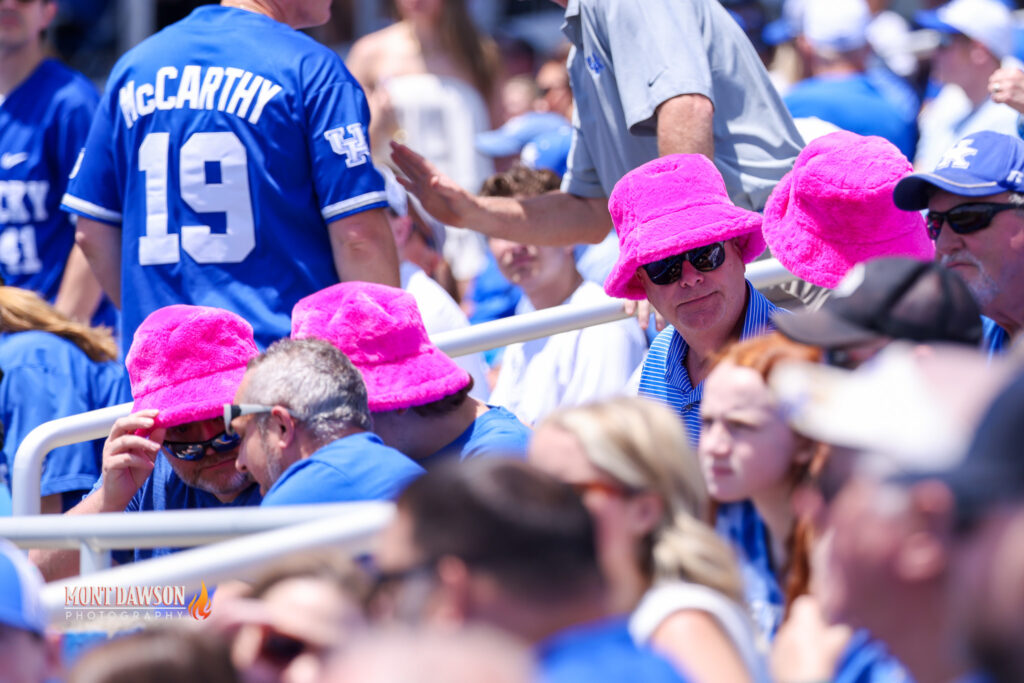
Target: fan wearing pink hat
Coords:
[(173, 452), (302, 416), (835, 209), (418, 396), (684, 246)]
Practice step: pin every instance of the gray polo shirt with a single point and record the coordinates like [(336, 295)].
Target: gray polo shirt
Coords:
[(629, 56)]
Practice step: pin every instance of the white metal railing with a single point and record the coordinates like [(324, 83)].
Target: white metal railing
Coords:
[(238, 558), (97, 534), (28, 461)]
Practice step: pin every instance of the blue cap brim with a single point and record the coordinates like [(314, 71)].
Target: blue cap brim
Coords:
[(777, 32), (913, 192), (929, 18), (495, 143)]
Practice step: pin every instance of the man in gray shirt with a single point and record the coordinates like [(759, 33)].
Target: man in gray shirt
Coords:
[(649, 78)]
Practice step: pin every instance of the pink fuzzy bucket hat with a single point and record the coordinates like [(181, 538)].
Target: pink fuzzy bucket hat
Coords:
[(380, 329), (835, 209), (187, 362), (670, 205)]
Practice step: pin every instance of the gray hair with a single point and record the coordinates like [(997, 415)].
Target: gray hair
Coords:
[(315, 381)]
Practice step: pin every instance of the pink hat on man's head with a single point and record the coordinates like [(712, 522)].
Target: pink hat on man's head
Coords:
[(380, 329), (835, 209), (670, 205), (187, 362)]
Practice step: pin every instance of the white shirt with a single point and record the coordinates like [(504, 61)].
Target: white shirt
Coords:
[(440, 314), (569, 368)]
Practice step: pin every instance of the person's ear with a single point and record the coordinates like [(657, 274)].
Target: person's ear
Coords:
[(924, 554), (454, 602), (282, 426), (49, 13), (646, 511)]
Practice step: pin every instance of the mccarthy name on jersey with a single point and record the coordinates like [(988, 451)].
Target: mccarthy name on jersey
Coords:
[(211, 88)]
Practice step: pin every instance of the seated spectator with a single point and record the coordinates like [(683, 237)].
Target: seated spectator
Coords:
[(420, 238), (293, 617), (301, 415), (752, 461), (26, 654), (840, 89), (157, 654), (884, 300), (54, 367), (418, 397), (975, 203), (835, 210), (172, 452), (907, 502), (684, 246), (499, 543), (977, 38), (642, 484), (569, 368)]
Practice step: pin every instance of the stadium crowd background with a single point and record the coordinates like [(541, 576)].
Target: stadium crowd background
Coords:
[(819, 481)]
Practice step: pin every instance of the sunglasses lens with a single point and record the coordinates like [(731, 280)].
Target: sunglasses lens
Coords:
[(934, 223), (225, 442), (708, 258), (186, 451), (967, 219), (666, 271)]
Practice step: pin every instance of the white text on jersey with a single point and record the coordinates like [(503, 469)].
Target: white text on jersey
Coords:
[(13, 205), (231, 90)]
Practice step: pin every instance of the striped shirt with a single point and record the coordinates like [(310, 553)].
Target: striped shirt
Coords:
[(665, 379), (994, 339)]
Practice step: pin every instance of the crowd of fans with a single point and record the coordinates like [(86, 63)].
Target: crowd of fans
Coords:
[(813, 481)]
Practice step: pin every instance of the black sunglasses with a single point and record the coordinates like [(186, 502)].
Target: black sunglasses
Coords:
[(195, 450), (669, 270), (966, 218)]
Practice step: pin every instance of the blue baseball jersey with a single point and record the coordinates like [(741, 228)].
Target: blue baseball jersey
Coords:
[(43, 127), (223, 146), (496, 433)]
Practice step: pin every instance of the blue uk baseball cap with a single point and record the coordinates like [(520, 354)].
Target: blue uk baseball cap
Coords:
[(549, 150), (516, 132), (978, 165), (20, 587)]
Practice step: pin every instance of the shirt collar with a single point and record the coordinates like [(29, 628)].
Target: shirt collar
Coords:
[(572, 8)]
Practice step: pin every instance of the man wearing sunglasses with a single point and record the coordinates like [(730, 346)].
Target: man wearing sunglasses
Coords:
[(173, 452), (975, 203), (683, 247)]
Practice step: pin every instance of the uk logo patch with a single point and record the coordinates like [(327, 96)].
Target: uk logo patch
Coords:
[(352, 146), (595, 64), (956, 156)]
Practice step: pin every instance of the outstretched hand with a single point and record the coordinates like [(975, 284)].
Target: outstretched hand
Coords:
[(1006, 86), (441, 196)]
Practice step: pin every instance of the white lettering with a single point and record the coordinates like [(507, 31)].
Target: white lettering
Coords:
[(267, 92), (212, 81), (163, 73), (126, 98), (188, 88), (244, 94), (144, 107), (37, 191), (231, 74)]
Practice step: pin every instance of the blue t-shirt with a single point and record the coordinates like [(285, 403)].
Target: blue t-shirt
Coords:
[(354, 467), (46, 377), (164, 490), (853, 103), (497, 432), (866, 660), (994, 339), (43, 126), (600, 651), (664, 377), (740, 524), (223, 146)]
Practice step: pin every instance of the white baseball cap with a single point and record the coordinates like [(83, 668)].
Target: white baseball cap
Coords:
[(837, 25), (987, 21)]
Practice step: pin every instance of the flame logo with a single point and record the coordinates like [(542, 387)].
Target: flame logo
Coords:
[(200, 607)]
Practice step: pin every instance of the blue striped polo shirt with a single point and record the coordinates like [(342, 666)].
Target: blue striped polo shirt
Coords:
[(994, 339), (665, 379)]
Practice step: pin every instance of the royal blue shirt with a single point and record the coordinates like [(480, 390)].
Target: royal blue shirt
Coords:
[(164, 490), (854, 103), (222, 147), (866, 660), (600, 651), (354, 467), (497, 432), (46, 377), (43, 126), (664, 377), (740, 524)]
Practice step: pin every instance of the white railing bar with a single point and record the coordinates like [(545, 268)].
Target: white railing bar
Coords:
[(28, 461), (239, 558), (170, 528)]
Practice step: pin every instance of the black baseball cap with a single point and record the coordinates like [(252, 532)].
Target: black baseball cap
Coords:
[(895, 297)]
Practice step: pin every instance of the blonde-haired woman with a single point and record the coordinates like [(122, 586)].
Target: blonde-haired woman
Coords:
[(632, 464), (54, 367)]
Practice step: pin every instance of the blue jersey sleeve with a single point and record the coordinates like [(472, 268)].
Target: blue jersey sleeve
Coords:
[(339, 146), (94, 188), (72, 118)]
